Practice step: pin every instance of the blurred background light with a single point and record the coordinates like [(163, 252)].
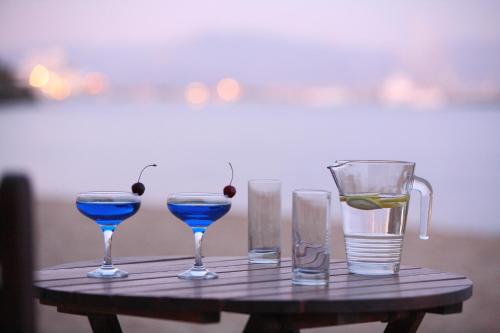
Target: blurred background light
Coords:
[(228, 90), (196, 94), (95, 83), (39, 76), (57, 88)]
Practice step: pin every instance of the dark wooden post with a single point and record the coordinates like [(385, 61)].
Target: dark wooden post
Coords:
[(103, 323), (16, 254), (409, 324), (269, 324)]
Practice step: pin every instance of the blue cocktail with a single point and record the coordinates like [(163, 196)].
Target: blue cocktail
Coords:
[(198, 211), (108, 210)]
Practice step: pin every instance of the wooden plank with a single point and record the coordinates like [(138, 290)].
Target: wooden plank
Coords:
[(403, 300), (172, 271), (117, 261), (244, 279), (147, 259), (299, 321), (152, 260), (192, 317), (231, 286), (363, 292), (285, 286), (380, 298), (119, 304), (79, 272), (227, 274), (168, 272), (67, 270), (278, 290), (448, 309)]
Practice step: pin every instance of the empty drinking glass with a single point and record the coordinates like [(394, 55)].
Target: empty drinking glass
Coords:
[(264, 221), (311, 237)]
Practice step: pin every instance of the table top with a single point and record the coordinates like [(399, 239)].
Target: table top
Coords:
[(153, 287)]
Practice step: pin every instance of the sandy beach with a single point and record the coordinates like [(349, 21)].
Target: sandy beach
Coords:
[(63, 235)]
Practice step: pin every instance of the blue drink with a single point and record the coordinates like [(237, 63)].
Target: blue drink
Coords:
[(199, 215), (108, 210), (108, 214), (198, 210)]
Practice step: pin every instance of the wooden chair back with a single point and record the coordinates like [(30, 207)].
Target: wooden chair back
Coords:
[(16, 255)]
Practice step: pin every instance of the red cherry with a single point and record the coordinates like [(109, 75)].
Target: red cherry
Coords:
[(229, 191), (139, 188)]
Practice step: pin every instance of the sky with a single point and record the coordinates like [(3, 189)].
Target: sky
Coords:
[(452, 45), (376, 24)]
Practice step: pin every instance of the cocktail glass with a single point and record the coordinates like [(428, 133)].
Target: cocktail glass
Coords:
[(198, 211), (108, 210)]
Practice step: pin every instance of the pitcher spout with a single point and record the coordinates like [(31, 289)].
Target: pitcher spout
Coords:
[(334, 169), (336, 165)]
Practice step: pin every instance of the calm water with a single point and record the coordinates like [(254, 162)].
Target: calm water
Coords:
[(81, 145)]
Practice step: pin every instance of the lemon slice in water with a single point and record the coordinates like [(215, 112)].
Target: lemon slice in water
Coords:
[(369, 202), (365, 203)]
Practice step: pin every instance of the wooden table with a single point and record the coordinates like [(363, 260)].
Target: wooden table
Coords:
[(264, 292)]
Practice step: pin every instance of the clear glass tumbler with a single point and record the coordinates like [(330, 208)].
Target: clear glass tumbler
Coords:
[(264, 221), (311, 237)]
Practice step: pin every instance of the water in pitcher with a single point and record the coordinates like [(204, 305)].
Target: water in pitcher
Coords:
[(374, 229)]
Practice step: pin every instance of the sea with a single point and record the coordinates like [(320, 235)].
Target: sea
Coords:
[(102, 144)]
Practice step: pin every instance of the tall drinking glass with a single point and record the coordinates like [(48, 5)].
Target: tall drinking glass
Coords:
[(311, 237), (264, 221), (108, 210), (198, 211)]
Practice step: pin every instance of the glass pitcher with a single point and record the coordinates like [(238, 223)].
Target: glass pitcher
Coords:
[(374, 197)]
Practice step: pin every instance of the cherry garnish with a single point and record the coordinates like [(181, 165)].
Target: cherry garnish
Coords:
[(139, 188), (230, 190)]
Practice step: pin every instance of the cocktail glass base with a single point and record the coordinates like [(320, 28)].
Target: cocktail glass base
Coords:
[(197, 273), (107, 273)]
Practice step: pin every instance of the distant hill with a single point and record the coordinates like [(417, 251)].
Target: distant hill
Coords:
[(257, 59), (10, 90)]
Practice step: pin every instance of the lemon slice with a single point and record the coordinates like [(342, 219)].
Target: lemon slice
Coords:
[(393, 202), (365, 203), (369, 202), (390, 204)]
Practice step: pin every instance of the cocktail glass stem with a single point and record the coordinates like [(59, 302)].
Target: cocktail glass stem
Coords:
[(198, 238), (198, 270), (107, 270), (108, 237)]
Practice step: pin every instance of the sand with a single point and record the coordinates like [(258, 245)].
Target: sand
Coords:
[(63, 235)]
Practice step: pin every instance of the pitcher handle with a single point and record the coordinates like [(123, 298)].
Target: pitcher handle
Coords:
[(424, 187)]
